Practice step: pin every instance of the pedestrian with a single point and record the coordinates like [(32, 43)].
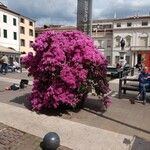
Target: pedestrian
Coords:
[(16, 65), (4, 66), (144, 84)]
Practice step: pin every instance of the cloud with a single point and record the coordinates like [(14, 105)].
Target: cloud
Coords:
[(122, 8), (46, 11), (65, 11)]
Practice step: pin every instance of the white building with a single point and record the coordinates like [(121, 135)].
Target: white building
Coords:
[(102, 33), (17, 33), (136, 33), (9, 28)]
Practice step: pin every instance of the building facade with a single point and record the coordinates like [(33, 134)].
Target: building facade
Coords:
[(17, 33), (9, 34), (27, 34), (136, 33), (102, 33), (9, 28)]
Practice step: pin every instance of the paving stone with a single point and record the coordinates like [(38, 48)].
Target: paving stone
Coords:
[(13, 139)]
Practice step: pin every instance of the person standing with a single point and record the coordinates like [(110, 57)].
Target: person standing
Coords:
[(4, 64)]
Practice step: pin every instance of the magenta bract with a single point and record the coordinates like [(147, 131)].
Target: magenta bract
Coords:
[(65, 67)]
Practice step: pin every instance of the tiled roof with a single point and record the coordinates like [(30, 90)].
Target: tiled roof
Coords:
[(63, 28)]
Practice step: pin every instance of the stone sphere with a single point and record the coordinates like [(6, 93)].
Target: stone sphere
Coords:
[(51, 141)]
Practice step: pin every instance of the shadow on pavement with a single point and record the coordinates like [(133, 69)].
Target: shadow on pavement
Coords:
[(132, 97), (94, 105), (23, 100), (117, 121)]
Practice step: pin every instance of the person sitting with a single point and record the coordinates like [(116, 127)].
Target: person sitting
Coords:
[(16, 65), (144, 84)]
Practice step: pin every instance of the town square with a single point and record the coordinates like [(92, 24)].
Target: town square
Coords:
[(74, 75)]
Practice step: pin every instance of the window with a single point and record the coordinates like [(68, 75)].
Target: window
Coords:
[(128, 59), (109, 44), (128, 41), (108, 59), (118, 24), (22, 42), (30, 44), (30, 23), (117, 41), (5, 33), (22, 20), (101, 44), (30, 32), (117, 59), (5, 18), (15, 35), (36, 34), (129, 24), (14, 22), (22, 30), (144, 23), (143, 41)]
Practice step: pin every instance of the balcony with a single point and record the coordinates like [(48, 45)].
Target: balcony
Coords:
[(140, 48)]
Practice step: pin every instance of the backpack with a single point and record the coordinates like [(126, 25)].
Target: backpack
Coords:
[(14, 87)]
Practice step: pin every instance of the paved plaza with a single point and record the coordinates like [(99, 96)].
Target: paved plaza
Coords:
[(123, 126)]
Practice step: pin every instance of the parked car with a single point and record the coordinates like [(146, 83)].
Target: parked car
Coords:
[(113, 72)]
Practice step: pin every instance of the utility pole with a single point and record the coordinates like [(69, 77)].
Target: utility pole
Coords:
[(84, 16)]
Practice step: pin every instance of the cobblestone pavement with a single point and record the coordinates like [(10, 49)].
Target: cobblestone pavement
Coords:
[(13, 139)]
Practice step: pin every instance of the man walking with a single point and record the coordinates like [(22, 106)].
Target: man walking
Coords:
[(4, 64)]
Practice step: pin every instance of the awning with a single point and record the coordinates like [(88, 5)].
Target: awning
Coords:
[(8, 50)]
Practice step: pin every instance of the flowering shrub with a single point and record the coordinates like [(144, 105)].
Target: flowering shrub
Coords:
[(65, 67)]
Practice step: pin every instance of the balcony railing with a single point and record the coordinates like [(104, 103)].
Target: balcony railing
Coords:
[(140, 48)]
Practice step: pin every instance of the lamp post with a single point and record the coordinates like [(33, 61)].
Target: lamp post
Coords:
[(84, 16)]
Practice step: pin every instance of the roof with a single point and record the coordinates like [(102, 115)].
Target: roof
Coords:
[(103, 20), (132, 18), (2, 6), (59, 29), (27, 18), (120, 19), (8, 50), (6, 9)]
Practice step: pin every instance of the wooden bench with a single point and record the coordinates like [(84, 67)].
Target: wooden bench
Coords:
[(128, 84)]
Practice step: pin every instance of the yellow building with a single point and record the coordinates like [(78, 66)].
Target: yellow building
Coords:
[(27, 34)]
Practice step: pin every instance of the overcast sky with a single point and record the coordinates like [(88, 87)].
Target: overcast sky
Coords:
[(64, 11)]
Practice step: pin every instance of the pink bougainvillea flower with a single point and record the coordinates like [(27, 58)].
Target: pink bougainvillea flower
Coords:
[(63, 67)]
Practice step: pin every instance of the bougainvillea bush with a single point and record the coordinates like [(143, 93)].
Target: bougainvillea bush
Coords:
[(66, 65)]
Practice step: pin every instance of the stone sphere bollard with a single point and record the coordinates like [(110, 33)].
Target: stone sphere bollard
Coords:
[(51, 141)]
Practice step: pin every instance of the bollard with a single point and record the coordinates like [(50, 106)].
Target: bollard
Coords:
[(51, 141)]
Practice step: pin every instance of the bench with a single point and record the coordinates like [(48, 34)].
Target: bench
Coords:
[(128, 84), (125, 84)]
